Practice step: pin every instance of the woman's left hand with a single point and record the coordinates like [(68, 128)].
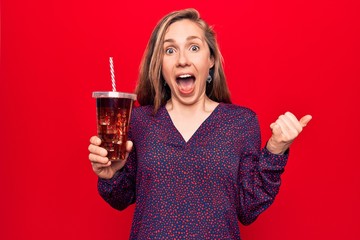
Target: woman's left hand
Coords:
[(284, 131)]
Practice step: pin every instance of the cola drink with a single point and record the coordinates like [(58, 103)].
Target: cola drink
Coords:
[(113, 116)]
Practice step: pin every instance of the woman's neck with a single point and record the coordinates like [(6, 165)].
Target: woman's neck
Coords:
[(188, 118), (203, 105)]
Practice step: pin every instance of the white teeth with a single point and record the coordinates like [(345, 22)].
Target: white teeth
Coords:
[(185, 76)]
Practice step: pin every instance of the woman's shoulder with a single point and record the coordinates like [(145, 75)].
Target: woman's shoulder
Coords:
[(142, 112), (237, 116), (237, 110)]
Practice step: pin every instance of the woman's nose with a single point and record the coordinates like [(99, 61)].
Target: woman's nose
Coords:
[(183, 59)]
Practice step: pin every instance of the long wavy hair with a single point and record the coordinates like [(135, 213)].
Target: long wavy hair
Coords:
[(151, 89)]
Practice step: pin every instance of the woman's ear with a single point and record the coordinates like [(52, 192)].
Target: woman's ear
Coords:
[(212, 61)]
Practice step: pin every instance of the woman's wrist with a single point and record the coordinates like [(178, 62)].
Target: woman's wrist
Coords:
[(276, 148)]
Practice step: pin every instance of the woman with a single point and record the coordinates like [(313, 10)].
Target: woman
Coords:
[(195, 165)]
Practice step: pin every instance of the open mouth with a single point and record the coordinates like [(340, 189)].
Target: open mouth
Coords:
[(186, 82)]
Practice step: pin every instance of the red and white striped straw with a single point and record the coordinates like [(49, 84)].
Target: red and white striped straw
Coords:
[(112, 74)]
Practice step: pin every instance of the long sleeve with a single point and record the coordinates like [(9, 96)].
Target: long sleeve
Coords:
[(259, 174), (120, 190)]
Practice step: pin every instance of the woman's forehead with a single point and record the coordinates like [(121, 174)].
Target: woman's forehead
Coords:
[(183, 29)]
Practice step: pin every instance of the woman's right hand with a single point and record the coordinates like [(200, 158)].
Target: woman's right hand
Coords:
[(101, 165)]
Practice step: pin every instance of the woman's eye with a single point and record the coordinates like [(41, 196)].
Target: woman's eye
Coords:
[(169, 51), (194, 48)]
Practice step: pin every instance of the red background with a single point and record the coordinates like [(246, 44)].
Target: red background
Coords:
[(280, 55)]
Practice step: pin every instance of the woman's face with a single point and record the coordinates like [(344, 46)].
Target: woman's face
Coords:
[(186, 61)]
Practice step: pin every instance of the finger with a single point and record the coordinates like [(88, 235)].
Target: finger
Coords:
[(283, 123), (97, 166), (285, 133), (289, 126), (129, 146), (305, 120), (293, 121), (95, 140), (276, 129), (98, 159), (97, 150)]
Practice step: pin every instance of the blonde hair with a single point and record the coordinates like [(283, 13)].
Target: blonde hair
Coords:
[(151, 89)]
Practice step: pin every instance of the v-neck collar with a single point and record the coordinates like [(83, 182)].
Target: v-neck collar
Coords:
[(203, 125)]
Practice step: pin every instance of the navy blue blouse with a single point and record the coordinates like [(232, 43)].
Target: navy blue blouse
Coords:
[(197, 189)]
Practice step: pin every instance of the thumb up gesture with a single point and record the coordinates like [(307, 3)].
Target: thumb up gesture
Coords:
[(284, 131)]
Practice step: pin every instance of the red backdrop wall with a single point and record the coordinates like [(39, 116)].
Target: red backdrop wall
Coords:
[(301, 56)]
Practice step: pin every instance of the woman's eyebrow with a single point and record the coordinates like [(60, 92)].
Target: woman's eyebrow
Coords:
[(188, 38), (169, 40), (193, 37)]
